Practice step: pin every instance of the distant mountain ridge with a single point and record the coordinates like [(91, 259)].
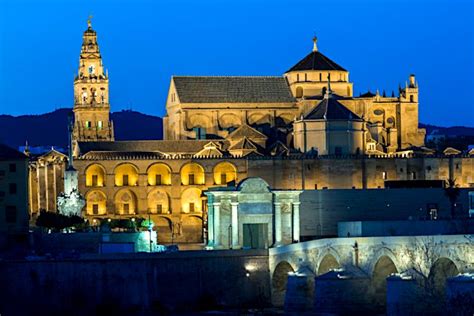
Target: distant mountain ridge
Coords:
[(50, 129), (452, 131)]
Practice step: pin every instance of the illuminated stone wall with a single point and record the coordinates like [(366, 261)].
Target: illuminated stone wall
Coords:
[(172, 199), (370, 258)]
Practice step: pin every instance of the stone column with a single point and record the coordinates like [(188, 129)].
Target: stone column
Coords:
[(55, 193), (210, 224), (235, 225), (277, 206), (46, 186), (296, 221), (217, 224), (38, 180)]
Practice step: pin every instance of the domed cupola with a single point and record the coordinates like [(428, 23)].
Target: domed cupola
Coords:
[(308, 77)]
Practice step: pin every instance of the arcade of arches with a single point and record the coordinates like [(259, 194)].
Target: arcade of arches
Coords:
[(424, 262), (171, 193)]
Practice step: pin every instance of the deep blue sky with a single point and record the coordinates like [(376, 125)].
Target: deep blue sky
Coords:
[(143, 43)]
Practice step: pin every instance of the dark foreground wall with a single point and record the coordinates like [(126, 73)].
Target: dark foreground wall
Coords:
[(127, 285)]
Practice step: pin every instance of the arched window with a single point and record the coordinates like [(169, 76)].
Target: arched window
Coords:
[(95, 176), (158, 202), (191, 201), (126, 175), (159, 174), (411, 98), (125, 202), (224, 173), (192, 174), (96, 203)]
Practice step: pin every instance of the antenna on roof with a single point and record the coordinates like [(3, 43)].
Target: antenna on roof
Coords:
[(315, 46)]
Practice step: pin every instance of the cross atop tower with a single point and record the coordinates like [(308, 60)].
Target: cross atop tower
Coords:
[(89, 21)]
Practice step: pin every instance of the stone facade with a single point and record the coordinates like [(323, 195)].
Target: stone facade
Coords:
[(13, 194), (251, 215), (45, 181), (221, 130)]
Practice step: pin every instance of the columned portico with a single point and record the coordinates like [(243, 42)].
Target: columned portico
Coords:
[(235, 225), (217, 224), (251, 215), (278, 234), (296, 221)]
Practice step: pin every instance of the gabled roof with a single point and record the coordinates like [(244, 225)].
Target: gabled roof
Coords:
[(244, 143), (331, 109), (8, 153), (210, 150), (316, 61), (246, 131), (232, 89)]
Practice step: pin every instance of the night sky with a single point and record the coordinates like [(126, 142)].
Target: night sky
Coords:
[(143, 43)]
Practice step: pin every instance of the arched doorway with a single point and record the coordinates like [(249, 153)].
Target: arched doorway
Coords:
[(382, 269), (163, 229), (192, 229), (279, 282), (328, 263)]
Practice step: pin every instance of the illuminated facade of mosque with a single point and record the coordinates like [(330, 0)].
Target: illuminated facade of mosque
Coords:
[(304, 130)]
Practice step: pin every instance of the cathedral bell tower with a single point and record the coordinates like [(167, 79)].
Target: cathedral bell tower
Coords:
[(91, 94)]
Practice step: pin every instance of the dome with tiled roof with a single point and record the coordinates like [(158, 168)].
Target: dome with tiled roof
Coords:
[(316, 61)]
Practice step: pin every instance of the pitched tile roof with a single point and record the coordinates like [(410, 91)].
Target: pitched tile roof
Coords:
[(246, 131), (146, 146), (8, 153), (316, 61), (119, 155), (330, 109), (232, 89)]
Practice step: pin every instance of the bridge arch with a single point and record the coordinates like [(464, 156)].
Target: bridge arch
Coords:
[(279, 282), (440, 271), (384, 252), (383, 267), (328, 261)]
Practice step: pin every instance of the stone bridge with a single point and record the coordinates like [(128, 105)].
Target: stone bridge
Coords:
[(375, 258)]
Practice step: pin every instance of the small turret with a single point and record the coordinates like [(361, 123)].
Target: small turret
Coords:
[(412, 81)]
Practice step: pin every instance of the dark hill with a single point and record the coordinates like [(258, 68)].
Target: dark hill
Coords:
[(51, 128)]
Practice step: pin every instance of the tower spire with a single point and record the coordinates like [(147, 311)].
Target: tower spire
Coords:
[(89, 22), (315, 41)]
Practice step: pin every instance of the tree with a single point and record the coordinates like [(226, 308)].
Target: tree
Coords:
[(56, 221)]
